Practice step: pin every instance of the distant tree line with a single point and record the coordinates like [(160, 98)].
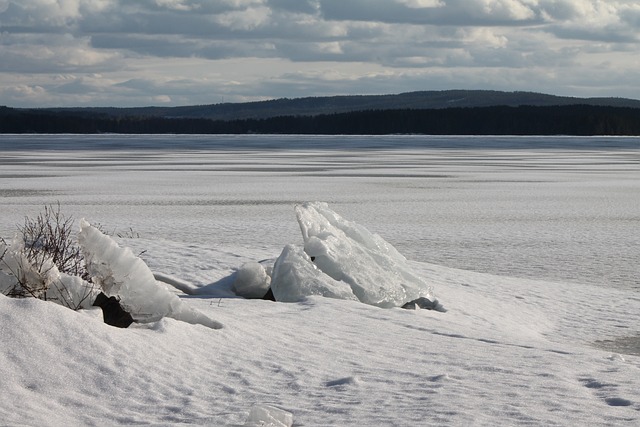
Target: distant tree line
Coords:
[(498, 120)]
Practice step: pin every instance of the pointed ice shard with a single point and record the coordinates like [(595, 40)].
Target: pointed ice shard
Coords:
[(120, 273), (347, 252)]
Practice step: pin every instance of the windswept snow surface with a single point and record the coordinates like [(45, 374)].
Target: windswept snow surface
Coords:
[(509, 351)]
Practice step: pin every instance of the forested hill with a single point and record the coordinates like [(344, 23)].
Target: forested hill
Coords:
[(312, 106), (492, 120), (436, 112)]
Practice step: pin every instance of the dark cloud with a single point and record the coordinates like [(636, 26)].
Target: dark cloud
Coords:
[(298, 6), (606, 34), (433, 12)]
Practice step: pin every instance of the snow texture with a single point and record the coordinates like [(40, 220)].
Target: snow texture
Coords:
[(376, 272), (122, 274)]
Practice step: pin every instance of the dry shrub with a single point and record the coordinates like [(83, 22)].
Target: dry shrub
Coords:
[(31, 266), (50, 236), (47, 263)]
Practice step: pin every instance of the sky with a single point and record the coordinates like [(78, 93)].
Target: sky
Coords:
[(180, 52)]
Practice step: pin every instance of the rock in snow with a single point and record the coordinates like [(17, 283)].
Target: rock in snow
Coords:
[(112, 312), (122, 274)]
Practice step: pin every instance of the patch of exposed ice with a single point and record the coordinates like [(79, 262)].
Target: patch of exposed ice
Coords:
[(347, 252), (269, 416), (295, 276), (122, 274), (251, 281)]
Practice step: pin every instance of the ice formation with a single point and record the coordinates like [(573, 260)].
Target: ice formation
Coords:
[(296, 276), (251, 281), (120, 273), (357, 262), (269, 416)]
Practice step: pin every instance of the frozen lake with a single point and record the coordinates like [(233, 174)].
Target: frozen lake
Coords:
[(553, 208), (562, 349)]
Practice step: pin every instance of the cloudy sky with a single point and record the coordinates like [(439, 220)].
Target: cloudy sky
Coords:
[(181, 52)]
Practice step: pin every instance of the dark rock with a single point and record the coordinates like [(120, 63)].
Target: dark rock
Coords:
[(424, 303), (269, 296), (112, 312)]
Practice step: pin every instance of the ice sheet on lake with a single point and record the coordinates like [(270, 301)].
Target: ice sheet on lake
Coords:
[(348, 253), (120, 273)]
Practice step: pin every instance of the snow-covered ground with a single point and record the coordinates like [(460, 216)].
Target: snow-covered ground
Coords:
[(542, 323)]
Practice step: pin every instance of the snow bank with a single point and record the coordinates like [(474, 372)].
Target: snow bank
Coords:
[(375, 271), (120, 273)]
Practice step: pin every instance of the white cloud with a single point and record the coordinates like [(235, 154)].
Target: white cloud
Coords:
[(24, 91), (597, 20), (183, 5), (247, 20), (52, 53), (420, 4), (162, 99), (331, 47), (508, 9), (97, 5)]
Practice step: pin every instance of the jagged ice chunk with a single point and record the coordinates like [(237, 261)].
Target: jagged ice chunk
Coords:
[(376, 272), (120, 273), (296, 276)]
